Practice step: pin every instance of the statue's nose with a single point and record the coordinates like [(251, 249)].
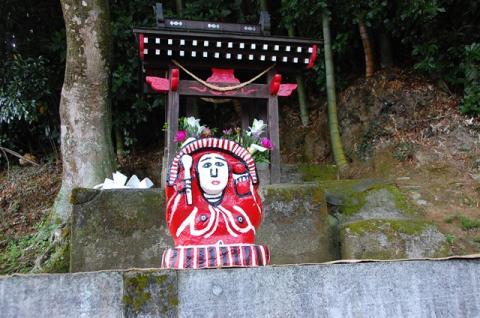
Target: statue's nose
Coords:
[(213, 172)]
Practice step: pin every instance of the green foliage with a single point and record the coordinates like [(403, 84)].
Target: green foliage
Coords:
[(465, 222), (23, 89), (471, 98), (20, 254)]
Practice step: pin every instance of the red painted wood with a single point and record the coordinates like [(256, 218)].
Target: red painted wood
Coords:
[(286, 89), (193, 88), (275, 84), (174, 79), (158, 84), (223, 75), (141, 46), (313, 57)]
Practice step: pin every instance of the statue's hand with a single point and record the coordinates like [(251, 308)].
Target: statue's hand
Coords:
[(241, 179)]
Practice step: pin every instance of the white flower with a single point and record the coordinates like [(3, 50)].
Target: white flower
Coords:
[(254, 148), (200, 129), (193, 122), (257, 128)]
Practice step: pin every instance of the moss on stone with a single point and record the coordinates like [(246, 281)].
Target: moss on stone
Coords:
[(317, 172), (136, 296), (353, 194), (410, 227), (82, 195)]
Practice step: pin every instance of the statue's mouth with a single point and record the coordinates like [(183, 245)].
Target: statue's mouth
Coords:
[(215, 182)]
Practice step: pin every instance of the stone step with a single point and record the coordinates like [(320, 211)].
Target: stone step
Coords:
[(119, 229), (420, 288)]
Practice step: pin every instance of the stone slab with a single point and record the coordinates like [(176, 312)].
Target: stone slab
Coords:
[(421, 288), (121, 229), (62, 295), (296, 225), (117, 229)]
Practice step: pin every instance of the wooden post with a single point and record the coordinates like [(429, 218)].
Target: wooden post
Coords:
[(273, 131), (172, 120)]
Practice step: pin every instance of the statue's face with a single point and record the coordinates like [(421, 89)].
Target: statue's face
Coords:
[(213, 173)]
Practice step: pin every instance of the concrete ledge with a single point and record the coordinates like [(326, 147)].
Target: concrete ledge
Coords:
[(443, 288)]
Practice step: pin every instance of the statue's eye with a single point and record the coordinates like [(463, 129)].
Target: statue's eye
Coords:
[(240, 219), (219, 164), (207, 165), (203, 217)]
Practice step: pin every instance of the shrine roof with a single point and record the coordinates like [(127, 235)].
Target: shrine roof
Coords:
[(199, 48)]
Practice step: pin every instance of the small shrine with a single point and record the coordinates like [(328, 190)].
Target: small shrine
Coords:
[(175, 51)]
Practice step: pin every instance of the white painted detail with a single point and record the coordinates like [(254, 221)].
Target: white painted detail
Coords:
[(239, 56), (253, 46), (250, 57), (274, 58), (242, 45), (228, 55), (194, 42), (157, 40), (285, 59), (306, 61), (295, 60), (265, 47), (213, 26), (217, 55), (205, 54), (276, 47), (176, 23), (145, 40), (182, 42), (230, 45), (145, 51), (169, 52), (219, 44), (299, 49), (157, 52), (170, 41), (249, 28), (205, 43), (194, 53), (287, 48), (310, 49), (182, 53), (262, 57)]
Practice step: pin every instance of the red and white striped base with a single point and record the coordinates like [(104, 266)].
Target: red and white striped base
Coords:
[(214, 256)]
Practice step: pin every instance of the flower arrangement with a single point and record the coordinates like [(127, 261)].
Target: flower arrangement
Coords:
[(251, 139)]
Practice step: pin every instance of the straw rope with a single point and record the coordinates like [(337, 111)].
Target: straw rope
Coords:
[(225, 88)]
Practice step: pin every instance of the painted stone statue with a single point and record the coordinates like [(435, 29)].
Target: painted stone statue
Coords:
[(213, 207)]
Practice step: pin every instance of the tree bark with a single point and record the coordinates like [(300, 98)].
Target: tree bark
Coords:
[(335, 140), (367, 49), (302, 98), (179, 7), (85, 110)]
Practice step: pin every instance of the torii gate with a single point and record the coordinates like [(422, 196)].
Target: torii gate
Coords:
[(189, 46)]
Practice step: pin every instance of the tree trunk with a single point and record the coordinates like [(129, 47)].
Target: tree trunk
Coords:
[(263, 5), (179, 6), (335, 140), (386, 54), (302, 99), (367, 49), (85, 110)]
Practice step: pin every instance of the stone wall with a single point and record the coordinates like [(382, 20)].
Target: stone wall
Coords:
[(446, 288)]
